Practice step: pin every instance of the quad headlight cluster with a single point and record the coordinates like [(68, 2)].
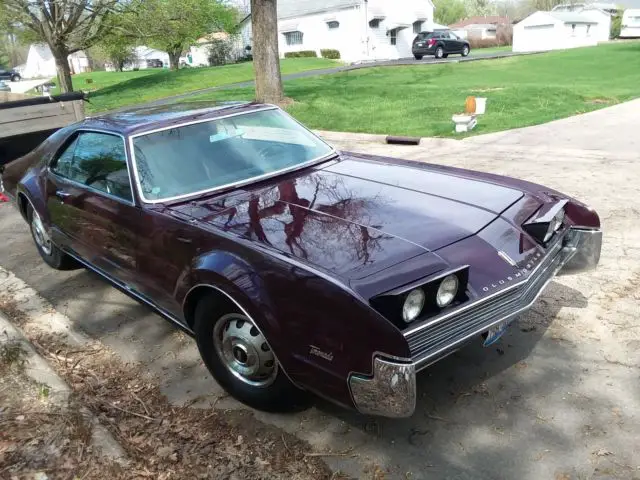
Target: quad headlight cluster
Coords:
[(445, 294)]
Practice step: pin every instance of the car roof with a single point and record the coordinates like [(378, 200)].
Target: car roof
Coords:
[(144, 119)]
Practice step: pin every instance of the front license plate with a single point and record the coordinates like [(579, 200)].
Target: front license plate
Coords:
[(494, 333)]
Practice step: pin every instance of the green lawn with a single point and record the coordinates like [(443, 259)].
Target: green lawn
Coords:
[(420, 99), (110, 90), (491, 50)]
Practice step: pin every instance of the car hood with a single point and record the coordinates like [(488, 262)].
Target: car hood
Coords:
[(357, 216)]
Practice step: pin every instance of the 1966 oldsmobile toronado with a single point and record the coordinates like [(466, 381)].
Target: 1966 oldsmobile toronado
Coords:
[(296, 267)]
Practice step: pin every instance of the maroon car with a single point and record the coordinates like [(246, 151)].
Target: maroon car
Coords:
[(296, 267)]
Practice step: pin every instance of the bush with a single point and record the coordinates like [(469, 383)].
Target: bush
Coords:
[(300, 54), (219, 52), (330, 53), (477, 42), (616, 26)]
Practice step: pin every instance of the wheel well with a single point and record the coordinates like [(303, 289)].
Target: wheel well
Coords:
[(23, 203), (223, 303)]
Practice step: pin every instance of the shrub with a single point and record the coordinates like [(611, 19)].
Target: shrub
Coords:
[(477, 42), (300, 54), (219, 52), (330, 53), (616, 26)]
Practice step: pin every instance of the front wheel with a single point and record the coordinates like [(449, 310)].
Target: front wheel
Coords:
[(15, 78), (52, 255), (241, 360), (439, 52), (465, 50), (418, 57)]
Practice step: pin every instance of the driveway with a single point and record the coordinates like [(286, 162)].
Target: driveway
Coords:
[(557, 398), (23, 86)]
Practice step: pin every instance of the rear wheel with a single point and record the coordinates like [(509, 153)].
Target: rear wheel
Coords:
[(52, 255), (240, 359), (439, 52), (465, 50), (15, 78), (418, 57)]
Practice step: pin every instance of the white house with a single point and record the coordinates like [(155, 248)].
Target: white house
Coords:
[(41, 64), (555, 31), (630, 24), (359, 29), (479, 27)]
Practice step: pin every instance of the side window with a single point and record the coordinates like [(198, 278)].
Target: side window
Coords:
[(102, 160), (64, 165), (97, 160)]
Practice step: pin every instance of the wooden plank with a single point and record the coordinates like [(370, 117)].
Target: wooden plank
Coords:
[(30, 112), (78, 107), (37, 124), (10, 97)]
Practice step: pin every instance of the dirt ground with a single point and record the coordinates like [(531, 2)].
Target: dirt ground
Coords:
[(41, 439), (558, 398)]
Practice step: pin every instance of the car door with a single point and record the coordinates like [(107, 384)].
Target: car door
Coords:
[(454, 42), (91, 206)]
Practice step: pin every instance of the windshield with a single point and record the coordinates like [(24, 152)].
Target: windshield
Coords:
[(196, 158)]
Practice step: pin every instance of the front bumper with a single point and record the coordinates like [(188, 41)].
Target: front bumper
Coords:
[(390, 390)]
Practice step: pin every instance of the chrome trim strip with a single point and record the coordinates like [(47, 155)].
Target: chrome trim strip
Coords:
[(219, 188), (555, 248), (247, 315), (88, 187), (131, 292)]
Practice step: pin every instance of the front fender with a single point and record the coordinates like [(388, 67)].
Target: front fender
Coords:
[(318, 329)]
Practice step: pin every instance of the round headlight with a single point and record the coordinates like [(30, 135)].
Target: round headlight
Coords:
[(447, 291), (413, 305)]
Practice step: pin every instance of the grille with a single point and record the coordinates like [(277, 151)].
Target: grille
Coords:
[(453, 328)]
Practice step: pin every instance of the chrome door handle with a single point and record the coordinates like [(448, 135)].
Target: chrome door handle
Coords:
[(62, 195)]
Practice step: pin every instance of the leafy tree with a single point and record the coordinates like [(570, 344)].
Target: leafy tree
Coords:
[(5, 60), (66, 26), (449, 11), (266, 59), (173, 26), (118, 48)]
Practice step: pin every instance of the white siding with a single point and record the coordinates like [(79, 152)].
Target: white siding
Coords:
[(630, 24), (540, 31)]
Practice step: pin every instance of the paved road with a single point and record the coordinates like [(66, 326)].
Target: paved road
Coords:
[(557, 398), (326, 71)]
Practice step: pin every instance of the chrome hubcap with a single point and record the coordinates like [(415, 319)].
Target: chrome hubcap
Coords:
[(244, 351), (40, 234)]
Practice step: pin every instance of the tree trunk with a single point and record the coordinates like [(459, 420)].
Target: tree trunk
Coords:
[(61, 56), (174, 59), (266, 59)]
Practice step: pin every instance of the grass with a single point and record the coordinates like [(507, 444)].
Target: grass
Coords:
[(111, 90), (506, 48), (420, 99)]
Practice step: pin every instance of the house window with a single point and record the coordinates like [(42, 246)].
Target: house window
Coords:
[(393, 36), (333, 24), (375, 23), (293, 38), (417, 26)]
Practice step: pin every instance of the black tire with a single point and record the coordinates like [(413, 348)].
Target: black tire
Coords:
[(418, 57), (445, 55), (439, 52), (56, 258), (15, 78), (279, 396), (465, 50)]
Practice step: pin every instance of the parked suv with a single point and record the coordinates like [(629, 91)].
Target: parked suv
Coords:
[(439, 43), (9, 75)]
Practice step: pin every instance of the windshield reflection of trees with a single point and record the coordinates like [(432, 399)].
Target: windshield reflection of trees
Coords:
[(318, 215)]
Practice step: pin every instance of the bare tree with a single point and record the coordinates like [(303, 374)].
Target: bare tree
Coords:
[(266, 59), (66, 26)]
